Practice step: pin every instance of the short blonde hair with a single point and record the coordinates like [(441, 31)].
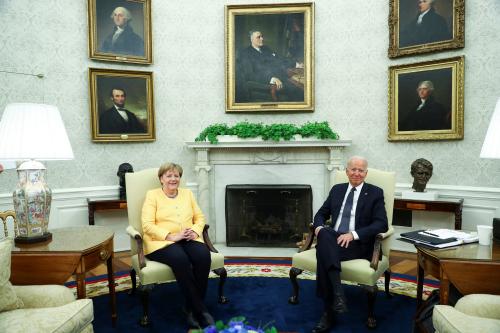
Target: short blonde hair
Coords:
[(169, 166)]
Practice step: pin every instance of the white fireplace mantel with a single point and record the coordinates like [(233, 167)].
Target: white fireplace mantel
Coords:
[(257, 159)]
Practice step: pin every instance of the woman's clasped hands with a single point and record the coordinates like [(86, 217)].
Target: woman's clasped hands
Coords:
[(185, 234)]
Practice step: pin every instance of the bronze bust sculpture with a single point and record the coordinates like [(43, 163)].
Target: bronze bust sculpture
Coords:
[(122, 170), (421, 171)]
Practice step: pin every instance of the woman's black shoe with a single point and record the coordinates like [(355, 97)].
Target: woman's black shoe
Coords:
[(206, 319)]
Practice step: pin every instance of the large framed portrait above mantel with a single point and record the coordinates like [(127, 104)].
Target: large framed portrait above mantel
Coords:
[(269, 57), (426, 100), (121, 105), (120, 30), (423, 26)]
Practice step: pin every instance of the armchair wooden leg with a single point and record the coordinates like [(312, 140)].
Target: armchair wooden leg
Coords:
[(387, 280), (144, 291), (371, 322), (222, 273), (294, 272), (133, 279)]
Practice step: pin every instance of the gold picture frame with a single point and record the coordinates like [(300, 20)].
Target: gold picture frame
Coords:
[(120, 31), (121, 105), (426, 100), (277, 74), (440, 27)]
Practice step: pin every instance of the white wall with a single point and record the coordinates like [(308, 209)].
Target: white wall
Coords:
[(51, 37)]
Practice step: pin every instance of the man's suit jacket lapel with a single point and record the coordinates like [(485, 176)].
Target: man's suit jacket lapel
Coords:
[(118, 118), (363, 197), (339, 197)]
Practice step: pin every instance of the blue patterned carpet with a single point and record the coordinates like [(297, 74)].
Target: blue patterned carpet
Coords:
[(262, 300)]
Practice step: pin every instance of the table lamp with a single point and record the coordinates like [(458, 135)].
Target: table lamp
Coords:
[(491, 149), (31, 132)]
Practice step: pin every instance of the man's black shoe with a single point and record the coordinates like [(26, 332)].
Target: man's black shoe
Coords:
[(324, 324), (191, 320), (339, 304), (206, 319)]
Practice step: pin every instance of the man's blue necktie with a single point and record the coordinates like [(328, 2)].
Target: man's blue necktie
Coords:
[(346, 213)]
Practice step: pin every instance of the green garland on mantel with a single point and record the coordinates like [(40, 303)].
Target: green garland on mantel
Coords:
[(275, 132)]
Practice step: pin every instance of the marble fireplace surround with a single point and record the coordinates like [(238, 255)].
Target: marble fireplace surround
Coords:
[(307, 161)]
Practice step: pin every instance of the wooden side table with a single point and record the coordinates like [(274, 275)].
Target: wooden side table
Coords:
[(95, 205), (450, 205), (471, 268), (72, 251)]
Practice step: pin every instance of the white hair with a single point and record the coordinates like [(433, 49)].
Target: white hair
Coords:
[(352, 158), (251, 32), (428, 84), (124, 11)]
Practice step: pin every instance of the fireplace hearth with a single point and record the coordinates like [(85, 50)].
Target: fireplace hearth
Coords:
[(267, 215)]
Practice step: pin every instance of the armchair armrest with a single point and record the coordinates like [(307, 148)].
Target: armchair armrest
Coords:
[(386, 234), (207, 240), (140, 250), (309, 240), (377, 247), (132, 232)]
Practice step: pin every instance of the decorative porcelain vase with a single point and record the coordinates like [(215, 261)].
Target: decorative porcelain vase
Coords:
[(32, 199)]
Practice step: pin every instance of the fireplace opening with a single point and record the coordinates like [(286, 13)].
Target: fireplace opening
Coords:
[(267, 215)]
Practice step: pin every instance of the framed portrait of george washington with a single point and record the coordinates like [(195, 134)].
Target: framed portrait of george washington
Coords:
[(121, 105), (426, 100), (120, 30), (423, 26), (269, 57)]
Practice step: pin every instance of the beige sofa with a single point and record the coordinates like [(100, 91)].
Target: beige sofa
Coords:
[(476, 313), (40, 308)]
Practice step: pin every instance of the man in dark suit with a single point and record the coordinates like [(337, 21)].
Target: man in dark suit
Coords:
[(427, 113), (123, 39), (262, 75), (118, 120), (427, 27), (357, 212)]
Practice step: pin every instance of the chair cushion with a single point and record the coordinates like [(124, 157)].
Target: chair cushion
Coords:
[(480, 305), (43, 296), (447, 319), (357, 270), (72, 317), (156, 272), (8, 297)]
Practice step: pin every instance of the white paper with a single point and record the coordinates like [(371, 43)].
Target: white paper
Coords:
[(461, 236)]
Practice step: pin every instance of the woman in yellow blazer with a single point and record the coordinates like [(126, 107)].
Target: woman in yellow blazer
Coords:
[(173, 223)]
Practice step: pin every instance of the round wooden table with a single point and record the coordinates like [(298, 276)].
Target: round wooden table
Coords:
[(72, 251)]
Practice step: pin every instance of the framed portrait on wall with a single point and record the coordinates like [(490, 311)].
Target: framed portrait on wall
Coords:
[(269, 57), (121, 105), (423, 26), (426, 100), (120, 30)]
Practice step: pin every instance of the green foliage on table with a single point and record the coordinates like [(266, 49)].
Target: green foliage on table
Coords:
[(275, 132)]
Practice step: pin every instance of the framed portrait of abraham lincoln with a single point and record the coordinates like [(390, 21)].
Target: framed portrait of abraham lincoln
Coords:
[(121, 105), (120, 30), (423, 26), (426, 100), (269, 57)]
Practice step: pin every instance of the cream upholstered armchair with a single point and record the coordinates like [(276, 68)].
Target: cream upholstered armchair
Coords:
[(360, 271), (152, 272), (41, 308), (478, 313)]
